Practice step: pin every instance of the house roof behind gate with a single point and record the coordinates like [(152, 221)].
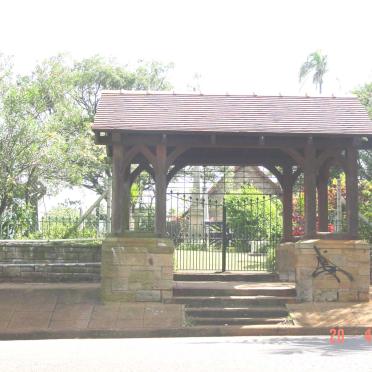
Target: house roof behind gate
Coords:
[(196, 113)]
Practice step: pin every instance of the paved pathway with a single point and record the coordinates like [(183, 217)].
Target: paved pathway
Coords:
[(77, 306), (332, 314), (239, 354)]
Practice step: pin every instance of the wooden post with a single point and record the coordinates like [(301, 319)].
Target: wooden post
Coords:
[(118, 188), (310, 190), (161, 190), (287, 186), (126, 198), (352, 191), (322, 185)]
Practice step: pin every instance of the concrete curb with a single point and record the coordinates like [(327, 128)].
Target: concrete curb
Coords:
[(181, 332)]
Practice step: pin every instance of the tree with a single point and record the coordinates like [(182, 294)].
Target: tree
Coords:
[(253, 216), (365, 229), (317, 63), (45, 127), (364, 94), (27, 156), (88, 78)]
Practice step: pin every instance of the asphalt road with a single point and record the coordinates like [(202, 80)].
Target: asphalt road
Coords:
[(264, 354)]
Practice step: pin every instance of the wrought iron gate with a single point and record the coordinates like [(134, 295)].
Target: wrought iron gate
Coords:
[(232, 232)]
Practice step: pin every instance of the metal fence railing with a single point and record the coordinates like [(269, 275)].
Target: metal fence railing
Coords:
[(55, 228)]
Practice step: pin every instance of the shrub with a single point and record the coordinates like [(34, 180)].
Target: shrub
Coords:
[(365, 229), (253, 216)]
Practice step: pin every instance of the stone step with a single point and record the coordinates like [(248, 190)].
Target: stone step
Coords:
[(229, 301), (194, 288), (226, 276), (245, 321), (235, 312)]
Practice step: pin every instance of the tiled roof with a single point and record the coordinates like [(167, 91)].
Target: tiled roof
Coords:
[(196, 113)]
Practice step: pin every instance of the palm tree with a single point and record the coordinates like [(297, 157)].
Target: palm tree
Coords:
[(316, 62)]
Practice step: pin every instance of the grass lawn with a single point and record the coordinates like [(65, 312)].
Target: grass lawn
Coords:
[(212, 260)]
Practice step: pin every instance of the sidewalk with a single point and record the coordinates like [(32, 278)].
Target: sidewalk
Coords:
[(63, 310), (332, 314), (76, 306)]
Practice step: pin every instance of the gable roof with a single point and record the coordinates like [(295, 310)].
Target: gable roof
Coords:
[(250, 114)]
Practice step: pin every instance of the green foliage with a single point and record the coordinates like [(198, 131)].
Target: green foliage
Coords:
[(365, 229), (364, 94), (152, 76), (17, 221), (271, 258), (46, 140), (59, 224), (253, 216), (316, 62)]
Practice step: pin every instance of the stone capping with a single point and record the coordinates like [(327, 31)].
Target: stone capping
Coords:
[(352, 256), (141, 245), (52, 243), (334, 244)]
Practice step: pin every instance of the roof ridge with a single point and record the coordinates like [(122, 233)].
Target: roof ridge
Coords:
[(197, 94)]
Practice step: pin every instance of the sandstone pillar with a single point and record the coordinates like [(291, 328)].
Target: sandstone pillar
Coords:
[(353, 256)]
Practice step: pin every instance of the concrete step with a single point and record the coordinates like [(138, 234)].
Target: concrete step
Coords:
[(196, 321), (230, 301), (206, 288), (236, 312), (226, 276)]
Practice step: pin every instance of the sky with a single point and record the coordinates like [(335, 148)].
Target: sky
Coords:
[(235, 46)]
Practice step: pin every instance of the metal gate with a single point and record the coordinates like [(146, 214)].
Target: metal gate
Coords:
[(232, 232)]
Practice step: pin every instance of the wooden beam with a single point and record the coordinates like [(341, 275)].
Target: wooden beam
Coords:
[(275, 172), (327, 154), (233, 140), (149, 154), (130, 154), (202, 156), (172, 157), (234, 157), (140, 168), (177, 167), (352, 191), (295, 155)]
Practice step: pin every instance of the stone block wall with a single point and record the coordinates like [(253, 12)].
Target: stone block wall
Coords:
[(353, 256), (137, 268), (50, 260)]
